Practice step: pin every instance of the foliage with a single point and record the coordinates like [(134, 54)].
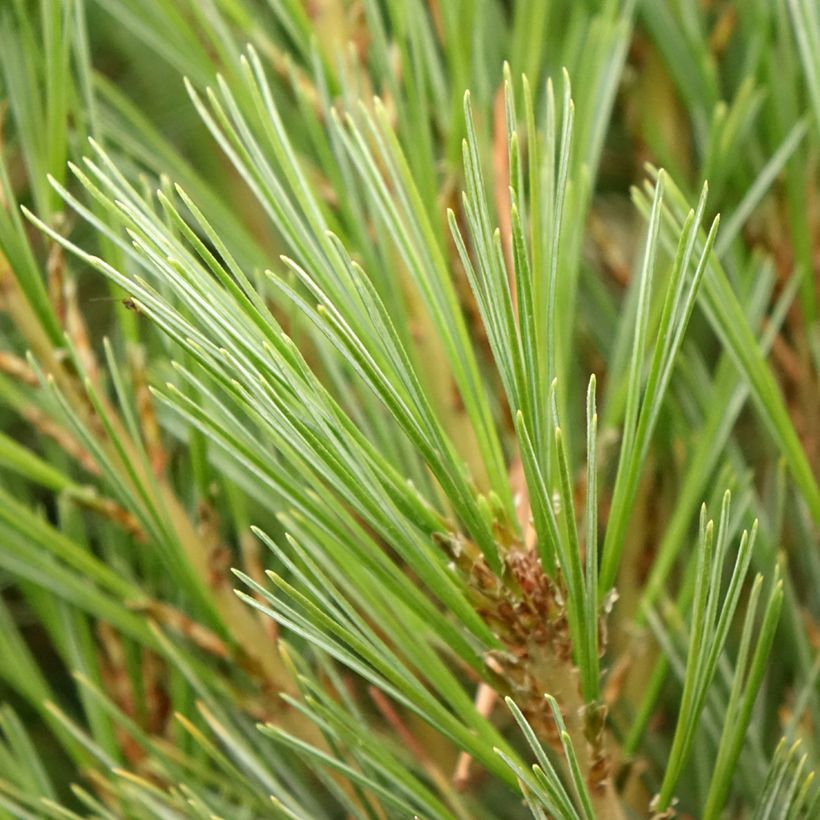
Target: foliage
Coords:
[(346, 395)]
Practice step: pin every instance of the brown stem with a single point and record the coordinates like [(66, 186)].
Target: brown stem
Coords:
[(485, 699)]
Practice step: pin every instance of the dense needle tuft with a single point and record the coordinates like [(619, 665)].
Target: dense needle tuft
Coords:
[(409, 409)]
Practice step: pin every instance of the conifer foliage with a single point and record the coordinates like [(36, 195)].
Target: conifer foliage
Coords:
[(409, 408)]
